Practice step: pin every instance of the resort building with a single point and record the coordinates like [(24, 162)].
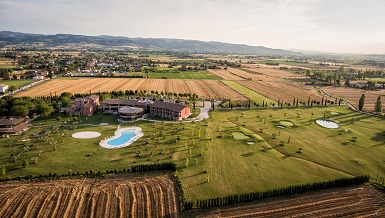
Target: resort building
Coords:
[(13, 126), (169, 110), (3, 88), (85, 106), (113, 105), (130, 113)]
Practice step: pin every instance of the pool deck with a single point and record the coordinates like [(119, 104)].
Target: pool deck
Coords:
[(118, 133)]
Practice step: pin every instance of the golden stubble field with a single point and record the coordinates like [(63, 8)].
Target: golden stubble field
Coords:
[(125, 196), (203, 88)]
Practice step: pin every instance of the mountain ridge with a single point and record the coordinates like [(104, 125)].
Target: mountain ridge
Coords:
[(182, 45)]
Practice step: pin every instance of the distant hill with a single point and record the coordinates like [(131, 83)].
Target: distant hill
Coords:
[(15, 38)]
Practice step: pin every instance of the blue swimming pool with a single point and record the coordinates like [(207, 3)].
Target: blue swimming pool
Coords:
[(126, 136)]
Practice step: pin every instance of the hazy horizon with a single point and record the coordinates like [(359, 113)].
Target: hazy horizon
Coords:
[(339, 26)]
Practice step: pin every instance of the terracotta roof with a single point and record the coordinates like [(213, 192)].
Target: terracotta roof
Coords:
[(16, 129), (3, 85), (88, 105), (169, 106), (94, 97), (11, 122), (22, 126)]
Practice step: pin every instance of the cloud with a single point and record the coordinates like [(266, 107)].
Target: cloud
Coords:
[(304, 24)]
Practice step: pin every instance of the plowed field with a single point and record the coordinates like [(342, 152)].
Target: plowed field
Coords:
[(207, 88), (270, 83), (353, 96), (224, 74), (133, 196), (347, 202)]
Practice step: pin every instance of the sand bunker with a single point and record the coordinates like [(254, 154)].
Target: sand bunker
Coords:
[(86, 135), (327, 124)]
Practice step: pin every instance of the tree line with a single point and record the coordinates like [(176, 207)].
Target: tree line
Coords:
[(247, 197), (166, 166)]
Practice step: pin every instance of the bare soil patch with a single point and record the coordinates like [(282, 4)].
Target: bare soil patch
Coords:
[(126, 196), (362, 201)]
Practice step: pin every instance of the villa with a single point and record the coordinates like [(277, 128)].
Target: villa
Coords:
[(85, 106), (13, 126), (173, 111), (113, 105), (129, 109)]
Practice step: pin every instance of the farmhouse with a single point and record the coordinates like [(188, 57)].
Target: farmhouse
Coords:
[(84, 106), (3, 88), (169, 110), (13, 126)]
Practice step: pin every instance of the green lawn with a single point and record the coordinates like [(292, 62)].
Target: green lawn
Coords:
[(376, 79), (250, 94), (217, 163), (17, 83), (184, 75)]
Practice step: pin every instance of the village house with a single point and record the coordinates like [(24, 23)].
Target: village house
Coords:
[(84, 106), (13, 126), (3, 88), (173, 111)]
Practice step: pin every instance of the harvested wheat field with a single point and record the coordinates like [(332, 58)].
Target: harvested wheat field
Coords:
[(273, 71), (224, 74), (353, 95), (208, 88), (282, 90), (129, 196), (347, 202)]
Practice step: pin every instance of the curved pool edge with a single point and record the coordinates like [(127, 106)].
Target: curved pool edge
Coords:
[(118, 133)]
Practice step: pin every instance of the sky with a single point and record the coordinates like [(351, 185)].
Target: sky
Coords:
[(339, 26)]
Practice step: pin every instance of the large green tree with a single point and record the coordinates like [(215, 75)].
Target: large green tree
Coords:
[(378, 105), (19, 110), (45, 110), (361, 102)]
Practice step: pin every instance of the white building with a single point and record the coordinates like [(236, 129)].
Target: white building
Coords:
[(3, 88)]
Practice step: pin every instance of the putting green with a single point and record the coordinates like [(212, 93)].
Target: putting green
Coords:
[(286, 123)]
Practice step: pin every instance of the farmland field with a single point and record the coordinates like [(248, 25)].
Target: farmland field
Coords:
[(272, 71), (207, 88), (283, 90), (350, 202), (184, 75), (125, 196), (250, 94), (270, 83), (353, 95), (224, 74)]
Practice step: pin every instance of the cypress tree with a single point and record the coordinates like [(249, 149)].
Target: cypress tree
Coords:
[(361, 102), (378, 105)]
